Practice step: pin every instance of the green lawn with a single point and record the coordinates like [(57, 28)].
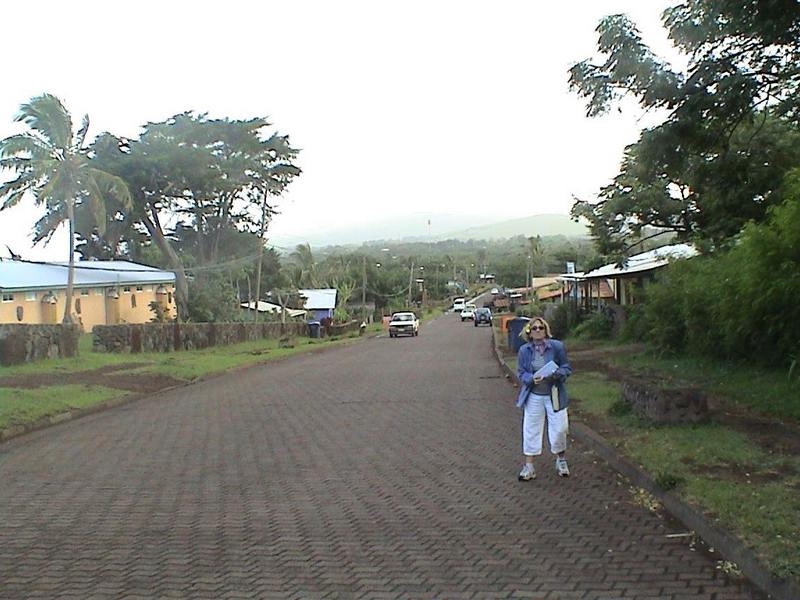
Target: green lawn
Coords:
[(747, 489), (21, 406)]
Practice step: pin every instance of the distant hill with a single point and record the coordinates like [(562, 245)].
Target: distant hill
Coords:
[(434, 228), (543, 225)]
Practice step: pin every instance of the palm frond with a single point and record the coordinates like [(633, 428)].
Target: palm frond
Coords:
[(80, 138), (13, 191), (23, 144), (47, 116), (97, 205), (45, 228), (112, 185)]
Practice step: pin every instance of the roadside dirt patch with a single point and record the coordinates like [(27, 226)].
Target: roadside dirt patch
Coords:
[(114, 376)]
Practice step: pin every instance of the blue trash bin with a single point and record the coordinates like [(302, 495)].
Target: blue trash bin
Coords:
[(313, 329), (515, 325)]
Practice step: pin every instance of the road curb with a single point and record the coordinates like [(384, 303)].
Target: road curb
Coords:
[(726, 544)]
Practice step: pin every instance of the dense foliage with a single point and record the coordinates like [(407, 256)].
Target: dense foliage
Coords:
[(731, 131), (740, 304)]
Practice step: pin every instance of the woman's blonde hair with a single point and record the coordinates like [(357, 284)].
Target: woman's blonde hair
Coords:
[(526, 331)]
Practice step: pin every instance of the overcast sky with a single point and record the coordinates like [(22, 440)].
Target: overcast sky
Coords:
[(429, 107)]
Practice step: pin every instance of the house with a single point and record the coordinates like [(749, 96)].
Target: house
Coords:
[(319, 303), (618, 282), (104, 292)]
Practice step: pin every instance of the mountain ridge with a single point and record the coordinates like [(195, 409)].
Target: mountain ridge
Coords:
[(437, 228)]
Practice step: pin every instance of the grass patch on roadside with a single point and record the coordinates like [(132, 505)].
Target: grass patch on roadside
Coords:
[(595, 392), (764, 517), (19, 406), (767, 391), (746, 489), (23, 406), (189, 365)]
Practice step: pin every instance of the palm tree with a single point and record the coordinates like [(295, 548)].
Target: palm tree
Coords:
[(52, 164), (303, 258)]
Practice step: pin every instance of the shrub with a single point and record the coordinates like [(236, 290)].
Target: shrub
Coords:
[(635, 326), (160, 312), (213, 299), (597, 326), (560, 319), (711, 305)]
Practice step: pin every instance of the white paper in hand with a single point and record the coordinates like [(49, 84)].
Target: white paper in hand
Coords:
[(546, 370)]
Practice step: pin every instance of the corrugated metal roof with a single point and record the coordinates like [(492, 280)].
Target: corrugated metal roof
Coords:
[(645, 261), (17, 275), (272, 308), (319, 299)]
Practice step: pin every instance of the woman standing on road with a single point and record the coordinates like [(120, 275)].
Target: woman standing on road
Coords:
[(542, 368)]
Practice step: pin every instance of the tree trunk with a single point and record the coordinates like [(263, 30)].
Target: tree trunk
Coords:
[(71, 268), (181, 284), (260, 255)]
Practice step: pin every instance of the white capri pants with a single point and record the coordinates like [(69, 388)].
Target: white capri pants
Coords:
[(534, 411)]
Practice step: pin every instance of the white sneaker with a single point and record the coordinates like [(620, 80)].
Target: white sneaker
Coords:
[(562, 468), (527, 473)]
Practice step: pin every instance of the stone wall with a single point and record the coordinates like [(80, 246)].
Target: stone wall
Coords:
[(20, 343), (168, 337), (664, 404)]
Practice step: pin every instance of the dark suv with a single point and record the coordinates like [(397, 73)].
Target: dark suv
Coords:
[(482, 315)]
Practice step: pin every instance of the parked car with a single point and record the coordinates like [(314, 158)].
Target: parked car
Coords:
[(468, 312), (403, 323), (482, 316)]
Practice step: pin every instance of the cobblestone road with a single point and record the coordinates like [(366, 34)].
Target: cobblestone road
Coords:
[(383, 469)]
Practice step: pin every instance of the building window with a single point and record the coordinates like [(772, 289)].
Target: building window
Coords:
[(8, 297), (126, 289), (30, 296), (139, 288), (85, 291), (99, 292)]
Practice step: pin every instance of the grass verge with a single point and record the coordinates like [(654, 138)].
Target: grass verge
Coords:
[(769, 392), (24, 406), (745, 488), (54, 393)]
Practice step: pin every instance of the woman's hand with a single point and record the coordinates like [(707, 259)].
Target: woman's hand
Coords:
[(537, 380)]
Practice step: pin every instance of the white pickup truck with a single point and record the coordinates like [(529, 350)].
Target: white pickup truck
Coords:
[(403, 323)]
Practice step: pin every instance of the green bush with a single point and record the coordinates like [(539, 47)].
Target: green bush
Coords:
[(597, 326), (560, 319), (744, 297), (213, 299), (635, 326)]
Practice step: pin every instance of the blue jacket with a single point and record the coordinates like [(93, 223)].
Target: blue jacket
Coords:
[(553, 350)]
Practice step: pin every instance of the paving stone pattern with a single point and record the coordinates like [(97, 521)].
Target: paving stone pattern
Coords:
[(383, 469)]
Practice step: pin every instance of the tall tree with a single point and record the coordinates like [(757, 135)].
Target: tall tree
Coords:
[(53, 164), (702, 172), (303, 259), (195, 180)]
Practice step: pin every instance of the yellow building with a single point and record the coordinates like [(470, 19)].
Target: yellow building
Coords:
[(105, 292)]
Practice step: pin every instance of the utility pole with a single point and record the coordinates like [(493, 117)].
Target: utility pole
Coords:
[(364, 290), (410, 283)]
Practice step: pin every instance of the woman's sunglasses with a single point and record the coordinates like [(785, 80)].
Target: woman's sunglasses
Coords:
[(537, 328)]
